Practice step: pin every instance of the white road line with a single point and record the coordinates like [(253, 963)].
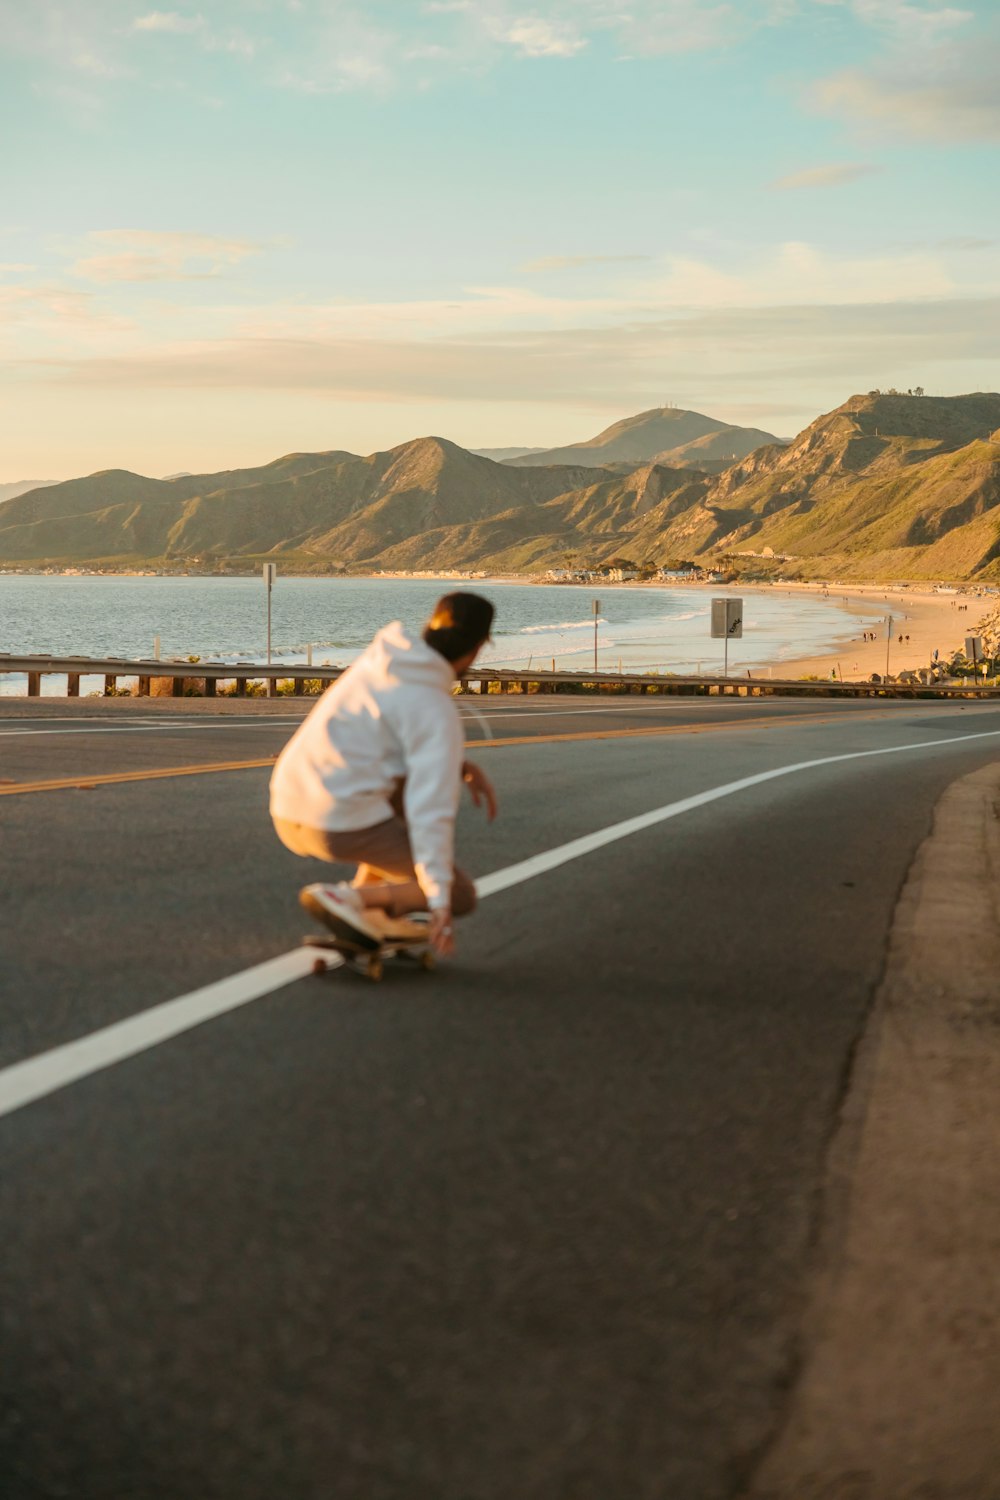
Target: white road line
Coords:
[(25, 1082), (703, 706), (158, 720), (539, 864), (22, 734), (468, 715)]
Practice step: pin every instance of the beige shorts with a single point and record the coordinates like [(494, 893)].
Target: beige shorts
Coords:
[(381, 853)]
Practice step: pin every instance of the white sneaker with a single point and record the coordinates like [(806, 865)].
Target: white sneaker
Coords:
[(341, 908)]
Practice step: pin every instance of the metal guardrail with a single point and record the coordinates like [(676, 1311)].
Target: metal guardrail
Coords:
[(181, 674)]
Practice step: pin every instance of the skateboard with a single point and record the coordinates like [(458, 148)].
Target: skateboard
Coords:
[(369, 961)]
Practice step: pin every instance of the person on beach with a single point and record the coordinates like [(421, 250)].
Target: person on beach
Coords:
[(373, 777)]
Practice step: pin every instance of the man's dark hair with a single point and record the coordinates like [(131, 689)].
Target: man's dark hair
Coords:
[(460, 623)]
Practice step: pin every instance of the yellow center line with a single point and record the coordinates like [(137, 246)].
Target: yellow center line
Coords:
[(84, 783), (662, 729)]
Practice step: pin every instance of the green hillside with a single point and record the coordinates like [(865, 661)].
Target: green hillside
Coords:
[(886, 485)]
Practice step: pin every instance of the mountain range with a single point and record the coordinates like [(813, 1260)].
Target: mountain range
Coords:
[(21, 487), (666, 435), (885, 486)]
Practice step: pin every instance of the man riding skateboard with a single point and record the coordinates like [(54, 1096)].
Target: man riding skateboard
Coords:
[(373, 776)]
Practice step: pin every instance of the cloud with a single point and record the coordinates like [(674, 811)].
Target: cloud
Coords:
[(934, 78), (98, 67), (799, 273), (960, 103), (920, 24), (657, 30), (211, 39), (826, 176), (83, 107), (168, 21), (346, 51), (151, 255), (330, 46), (570, 262), (478, 33), (538, 38), (790, 320), (758, 353), (68, 39), (968, 242), (64, 322)]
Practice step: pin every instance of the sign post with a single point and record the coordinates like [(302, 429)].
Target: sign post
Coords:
[(727, 624), (888, 643), (270, 572), (974, 651), (597, 610)]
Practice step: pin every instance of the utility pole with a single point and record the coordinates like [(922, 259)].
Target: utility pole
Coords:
[(597, 610), (888, 643)]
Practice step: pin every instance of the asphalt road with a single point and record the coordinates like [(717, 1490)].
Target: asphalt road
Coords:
[(537, 1225)]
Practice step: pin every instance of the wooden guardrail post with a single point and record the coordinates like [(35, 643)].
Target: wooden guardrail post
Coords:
[(177, 688), (143, 689), (209, 687), (272, 687), (73, 684), (110, 684), (34, 684)]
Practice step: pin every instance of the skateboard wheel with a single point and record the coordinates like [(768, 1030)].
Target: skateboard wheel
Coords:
[(427, 961), (319, 966), (375, 968)]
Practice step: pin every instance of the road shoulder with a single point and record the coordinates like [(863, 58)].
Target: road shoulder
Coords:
[(897, 1395)]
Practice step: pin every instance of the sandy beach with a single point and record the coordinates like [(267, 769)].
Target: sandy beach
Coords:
[(923, 621), (926, 621)]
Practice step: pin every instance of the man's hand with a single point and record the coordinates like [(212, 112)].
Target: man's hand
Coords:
[(480, 788), (440, 933)]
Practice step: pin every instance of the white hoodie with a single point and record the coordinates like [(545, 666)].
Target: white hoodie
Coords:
[(391, 714)]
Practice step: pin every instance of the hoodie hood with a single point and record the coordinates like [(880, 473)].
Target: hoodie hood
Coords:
[(398, 655)]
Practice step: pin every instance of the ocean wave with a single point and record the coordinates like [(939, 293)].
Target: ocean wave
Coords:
[(561, 625)]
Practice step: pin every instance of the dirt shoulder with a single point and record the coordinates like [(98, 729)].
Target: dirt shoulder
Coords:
[(897, 1395)]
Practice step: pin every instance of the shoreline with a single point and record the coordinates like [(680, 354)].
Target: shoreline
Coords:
[(924, 621), (927, 620)]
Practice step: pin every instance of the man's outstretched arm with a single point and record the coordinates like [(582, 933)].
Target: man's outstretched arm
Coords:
[(481, 788)]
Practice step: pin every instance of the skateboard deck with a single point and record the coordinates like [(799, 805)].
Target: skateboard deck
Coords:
[(368, 961)]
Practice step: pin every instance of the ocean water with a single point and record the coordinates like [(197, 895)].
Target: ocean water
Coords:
[(660, 629)]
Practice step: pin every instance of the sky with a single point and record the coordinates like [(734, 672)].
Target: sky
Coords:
[(243, 228)]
